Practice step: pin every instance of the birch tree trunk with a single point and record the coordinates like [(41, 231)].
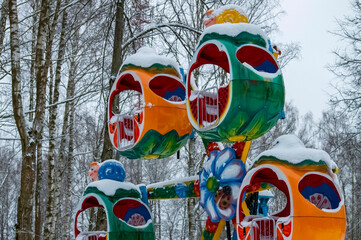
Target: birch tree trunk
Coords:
[(70, 158), (50, 213), (35, 19), (107, 152), (191, 202), (4, 15), (54, 202), (44, 75), (38, 188), (25, 208), (58, 178), (30, 136), (63, 170)]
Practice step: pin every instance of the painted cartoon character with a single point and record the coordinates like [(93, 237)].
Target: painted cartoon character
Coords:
[(109, 169), (93, 171), (223, 197)]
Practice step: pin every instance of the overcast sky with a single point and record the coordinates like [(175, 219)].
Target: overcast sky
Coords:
[(308, 22)]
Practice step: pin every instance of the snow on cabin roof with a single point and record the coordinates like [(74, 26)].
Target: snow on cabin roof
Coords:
[(146, 57), (172, 182), (266, 193), (109, 187), (234, 29), (290, 149)]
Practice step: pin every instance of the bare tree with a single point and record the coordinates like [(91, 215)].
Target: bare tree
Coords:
[(343, 144), (29, 135), (64, 58), (341, 131), (347, 67), (3, 18), (51, 211)]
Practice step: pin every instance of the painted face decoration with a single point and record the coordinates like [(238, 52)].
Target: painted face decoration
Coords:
[(152, 121), (93, 171), (235, 88)]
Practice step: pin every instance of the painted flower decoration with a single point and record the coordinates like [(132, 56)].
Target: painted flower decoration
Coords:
[(220, 181)]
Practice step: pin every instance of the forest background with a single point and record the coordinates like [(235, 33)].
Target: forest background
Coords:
[(58, 60)]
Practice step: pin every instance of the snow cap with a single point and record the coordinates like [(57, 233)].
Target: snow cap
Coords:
[(146, 57), (291, 150), (109, 187)]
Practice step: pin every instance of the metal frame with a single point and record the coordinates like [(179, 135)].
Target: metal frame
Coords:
[(91, 235), (208, 93), (264, 225)]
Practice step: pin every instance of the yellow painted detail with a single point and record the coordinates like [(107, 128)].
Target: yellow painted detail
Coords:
[(231, 16), (245, 208), (219, 230), (245, 151), (151, 156), (275, 54), (240, 138)]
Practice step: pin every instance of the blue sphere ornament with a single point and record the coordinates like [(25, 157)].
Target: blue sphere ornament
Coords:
[(111, 169)]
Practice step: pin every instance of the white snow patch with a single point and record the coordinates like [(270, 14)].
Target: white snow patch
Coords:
[(209, 124), (145, 57), (234, 29), (109, 187), (194, 95), (172, 182), (266, 193), (291, 149)]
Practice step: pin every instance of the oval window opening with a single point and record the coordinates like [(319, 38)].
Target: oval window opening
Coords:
[(320, 191), (132, 211), (127, 101), (86, 218), (126, 105), (210, 75), (168, 88), (258, 58), (278, 202), (209, 100), (87, 221), (127, 96)]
